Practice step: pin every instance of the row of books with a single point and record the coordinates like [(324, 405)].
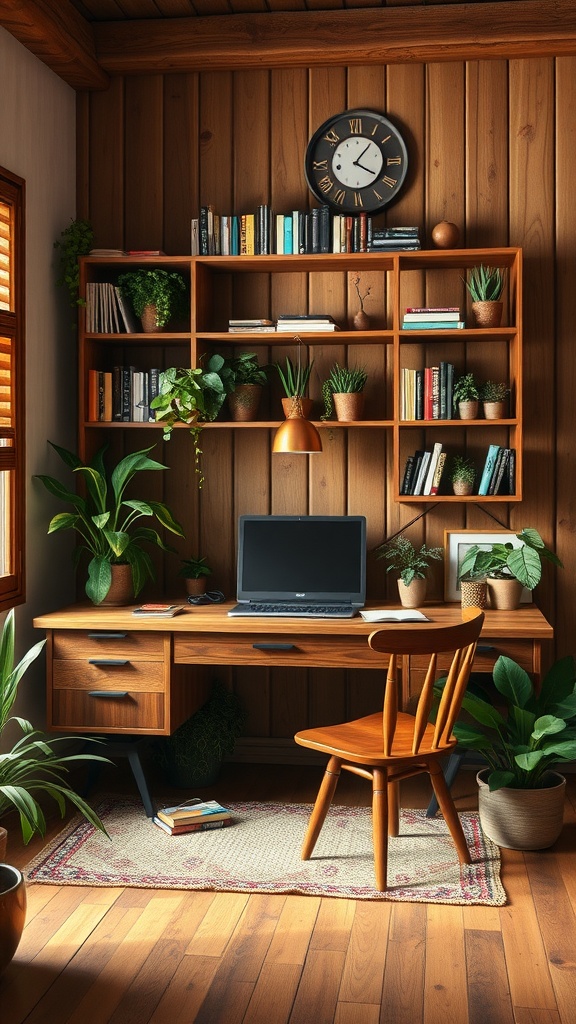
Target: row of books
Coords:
[(499, 472), (192, 816), (423, 471), (287, 322), (122, 394), (427, 394), (107, 311), (295, 233), (433, 318)]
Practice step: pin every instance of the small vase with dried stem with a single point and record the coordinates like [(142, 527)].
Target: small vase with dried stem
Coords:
[(361, 320)]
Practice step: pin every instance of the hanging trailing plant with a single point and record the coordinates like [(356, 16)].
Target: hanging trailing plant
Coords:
[(75, 241)]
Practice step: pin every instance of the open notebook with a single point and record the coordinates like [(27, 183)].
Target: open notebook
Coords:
[(303, 566)]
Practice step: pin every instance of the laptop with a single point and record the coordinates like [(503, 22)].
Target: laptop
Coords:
[(302, 566)]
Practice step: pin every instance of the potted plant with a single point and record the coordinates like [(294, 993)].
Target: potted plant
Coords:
[(195, 571), (295, 381), (523, 735), (33, 768), (106, 521), (192, 756), (466, 395), (249, 378), (486, 285), (462, 474), (343, 389), (156, 295), (507, 568), (412, 566), (493, 396)]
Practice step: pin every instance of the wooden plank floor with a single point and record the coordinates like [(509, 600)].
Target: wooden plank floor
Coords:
[(133, 956)]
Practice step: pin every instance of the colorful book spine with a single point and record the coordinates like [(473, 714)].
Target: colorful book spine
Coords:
[(488, 468)]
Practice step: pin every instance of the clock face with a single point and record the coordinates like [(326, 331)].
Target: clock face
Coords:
[(356, 162)]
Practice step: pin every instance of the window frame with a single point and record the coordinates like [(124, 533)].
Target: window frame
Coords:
[(13, 326)]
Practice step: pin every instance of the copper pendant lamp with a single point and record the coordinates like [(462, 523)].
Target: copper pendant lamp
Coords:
[(297, 435)]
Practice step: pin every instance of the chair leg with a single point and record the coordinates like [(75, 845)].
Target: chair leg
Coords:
[(380, 812), (320, 809), (393, 808), (449, 811)]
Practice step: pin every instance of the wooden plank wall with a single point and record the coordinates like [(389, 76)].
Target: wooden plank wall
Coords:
[(491, 148)]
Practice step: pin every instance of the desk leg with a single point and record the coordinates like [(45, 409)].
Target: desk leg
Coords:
[(450, 773)]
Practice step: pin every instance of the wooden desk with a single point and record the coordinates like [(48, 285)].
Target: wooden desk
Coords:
[(110, 673)]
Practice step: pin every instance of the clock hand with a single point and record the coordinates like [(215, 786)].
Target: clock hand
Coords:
[(356, 163), (368, 170)]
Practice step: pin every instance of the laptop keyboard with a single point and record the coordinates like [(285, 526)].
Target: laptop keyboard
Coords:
[(300, 611)]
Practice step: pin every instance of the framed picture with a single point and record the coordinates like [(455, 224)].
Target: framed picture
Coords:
[(457, 543)]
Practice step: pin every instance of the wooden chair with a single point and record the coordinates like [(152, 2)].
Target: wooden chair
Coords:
[(390, 745)]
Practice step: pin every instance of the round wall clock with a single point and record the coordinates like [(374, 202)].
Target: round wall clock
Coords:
[(356, 161)]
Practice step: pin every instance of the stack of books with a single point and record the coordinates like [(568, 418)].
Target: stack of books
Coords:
[(306, 322), (395, 239), (192, 816), (260, 325), (432, 318), (427, 394), (498, 474)]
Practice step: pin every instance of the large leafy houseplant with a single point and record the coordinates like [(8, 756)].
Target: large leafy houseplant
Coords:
[(191, 395), (504, 561), (107, 520), (33, 767), (523, 734)]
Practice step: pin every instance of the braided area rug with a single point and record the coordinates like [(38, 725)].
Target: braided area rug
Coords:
[(260, 853)]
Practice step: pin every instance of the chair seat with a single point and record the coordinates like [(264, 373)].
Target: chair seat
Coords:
[(361, 742)]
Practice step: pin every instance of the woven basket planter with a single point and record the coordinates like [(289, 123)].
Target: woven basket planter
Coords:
[(522, 819)]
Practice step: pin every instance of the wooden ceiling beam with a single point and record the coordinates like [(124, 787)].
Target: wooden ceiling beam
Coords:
[(55, 32), (461, 31)]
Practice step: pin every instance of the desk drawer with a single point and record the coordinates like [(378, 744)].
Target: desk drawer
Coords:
[(114, 711), (97, 643), (274, 650), (109, 674)]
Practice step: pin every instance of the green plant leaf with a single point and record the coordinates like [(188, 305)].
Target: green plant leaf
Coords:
[(524, 563), (483, 712), (499, 779), (512, 681), (99, 579), (548, 725)]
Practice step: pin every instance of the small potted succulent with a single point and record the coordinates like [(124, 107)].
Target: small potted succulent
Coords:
[(486, 285), (462, 474), (156, 295), (412, 565), (343, 390), (493, 396), (466, 396), (195, 571), (295, 381)]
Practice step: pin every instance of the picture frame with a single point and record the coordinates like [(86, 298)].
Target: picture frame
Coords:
[(456, 544)]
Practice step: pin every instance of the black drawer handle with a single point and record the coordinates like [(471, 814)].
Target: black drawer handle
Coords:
[(107, 693), (108, 661), (274, 647), (485, 648), (107, 636)]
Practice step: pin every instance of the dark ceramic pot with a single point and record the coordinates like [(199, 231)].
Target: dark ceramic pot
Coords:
[(12, 912)]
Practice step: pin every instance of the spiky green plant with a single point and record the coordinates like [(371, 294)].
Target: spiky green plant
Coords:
[(491, 391), (32, 767), (462, 468), (485, 284), (295, 379), (342, 380)]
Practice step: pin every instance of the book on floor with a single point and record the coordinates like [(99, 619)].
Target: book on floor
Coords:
[(194, 826), (190, 813)]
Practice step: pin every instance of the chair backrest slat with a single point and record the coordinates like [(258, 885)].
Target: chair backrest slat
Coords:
[(459, 641)]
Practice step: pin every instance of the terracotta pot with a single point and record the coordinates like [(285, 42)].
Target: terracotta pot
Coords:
[(12, 912), (504, 594), (349, 406), (122, 588), (414, 595), (468, 410), (522, 819), (244, 402), (473, 593), (462, 487), (494, 410), (148, 320), (296, 406), (196, 587), (361, 321), (488, 314)]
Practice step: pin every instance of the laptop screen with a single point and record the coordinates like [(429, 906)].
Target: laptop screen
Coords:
[(307, 558)]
